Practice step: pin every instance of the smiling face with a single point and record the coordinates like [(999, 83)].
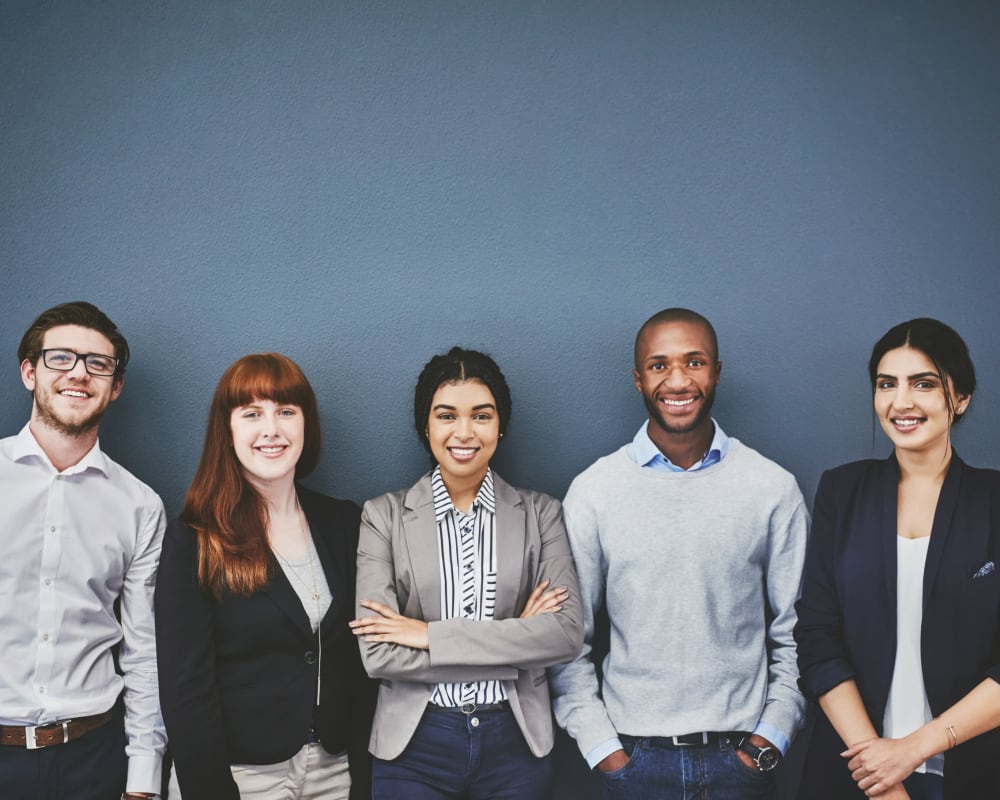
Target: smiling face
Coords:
[(268, 439), (911, 402), (70, 403), (463, 430), (676, 373)]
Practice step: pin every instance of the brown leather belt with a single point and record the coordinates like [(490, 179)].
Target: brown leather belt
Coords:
[(53, 733)]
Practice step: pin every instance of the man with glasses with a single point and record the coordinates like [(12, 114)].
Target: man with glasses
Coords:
[(79, 718)]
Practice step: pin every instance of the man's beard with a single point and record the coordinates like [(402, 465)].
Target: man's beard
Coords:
[(51, 419), (656, 414)]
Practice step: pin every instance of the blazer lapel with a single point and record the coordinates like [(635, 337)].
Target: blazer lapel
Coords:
[(889, 525), (331, 563), (420, 538), (941, 527), (283, 594), (510, 535)]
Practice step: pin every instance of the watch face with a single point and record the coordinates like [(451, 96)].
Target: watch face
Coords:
[(767, 759)]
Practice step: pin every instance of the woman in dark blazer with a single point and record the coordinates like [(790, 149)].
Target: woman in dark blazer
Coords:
[(467, 591), (261, 684), (899, 620)]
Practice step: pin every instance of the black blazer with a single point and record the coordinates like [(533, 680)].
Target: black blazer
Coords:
[(238, 675), (847, 613)]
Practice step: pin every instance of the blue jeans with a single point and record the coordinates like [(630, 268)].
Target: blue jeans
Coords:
[(658, 770), (480, 756)]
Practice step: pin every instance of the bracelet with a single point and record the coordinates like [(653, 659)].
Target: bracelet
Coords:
[(953, 735)]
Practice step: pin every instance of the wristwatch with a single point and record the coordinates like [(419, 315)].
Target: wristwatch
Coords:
[(766, 758)]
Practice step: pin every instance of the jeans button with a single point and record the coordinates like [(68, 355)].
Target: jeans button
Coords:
[(474, 722)]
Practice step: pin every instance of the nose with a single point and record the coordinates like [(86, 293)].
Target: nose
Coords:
[(79, 370), (463, 428), (270, 427), (677, 378), (903, 398)]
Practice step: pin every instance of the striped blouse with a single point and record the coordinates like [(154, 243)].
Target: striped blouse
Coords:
[(468, 559)]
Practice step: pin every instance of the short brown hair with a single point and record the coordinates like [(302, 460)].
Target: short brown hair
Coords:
[(81, 313)]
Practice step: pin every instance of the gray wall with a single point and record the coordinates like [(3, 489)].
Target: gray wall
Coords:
[(361, 185)]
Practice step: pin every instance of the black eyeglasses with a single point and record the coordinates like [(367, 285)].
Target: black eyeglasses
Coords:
[(65, 360)]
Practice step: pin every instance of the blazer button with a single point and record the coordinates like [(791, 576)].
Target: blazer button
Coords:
[(310, 657)]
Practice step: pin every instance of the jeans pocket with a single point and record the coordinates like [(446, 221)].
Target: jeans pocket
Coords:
[(634, 752)]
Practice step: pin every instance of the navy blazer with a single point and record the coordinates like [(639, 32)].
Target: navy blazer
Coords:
[(238, 675), (847, 613)]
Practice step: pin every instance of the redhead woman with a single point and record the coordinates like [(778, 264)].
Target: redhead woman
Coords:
[(899, 619), (261, 685), (467, 592)]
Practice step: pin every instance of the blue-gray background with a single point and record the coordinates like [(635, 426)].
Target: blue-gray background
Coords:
[(361, 185)]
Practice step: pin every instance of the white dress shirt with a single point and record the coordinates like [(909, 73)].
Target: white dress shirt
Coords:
[(71, 543)]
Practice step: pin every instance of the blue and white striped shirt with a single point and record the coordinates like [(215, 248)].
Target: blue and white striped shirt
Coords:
[(468, 559)]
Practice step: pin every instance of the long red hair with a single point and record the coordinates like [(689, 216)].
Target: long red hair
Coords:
[(226, 511)]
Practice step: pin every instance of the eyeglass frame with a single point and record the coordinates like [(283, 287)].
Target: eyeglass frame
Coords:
[(44, 354)]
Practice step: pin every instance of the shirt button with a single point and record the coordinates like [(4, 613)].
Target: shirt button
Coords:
[(45, 637), (52, 528), (48, 581), (41, 690)]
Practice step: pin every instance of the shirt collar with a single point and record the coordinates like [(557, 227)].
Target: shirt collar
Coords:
[(646, 454), (485, 498), (27, 446)]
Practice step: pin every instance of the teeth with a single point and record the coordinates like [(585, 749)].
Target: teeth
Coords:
[(906, 423), (271, 449), (72, 393), (679, 403), (462, 451)]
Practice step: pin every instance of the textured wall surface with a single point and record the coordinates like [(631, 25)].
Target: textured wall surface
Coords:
[(361, 185)]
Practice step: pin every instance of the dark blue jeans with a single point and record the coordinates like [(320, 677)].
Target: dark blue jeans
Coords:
[(660, 771), (89, 768), (482, 756)]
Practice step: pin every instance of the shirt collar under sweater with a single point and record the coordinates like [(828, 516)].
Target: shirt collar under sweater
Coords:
[(646, 454)]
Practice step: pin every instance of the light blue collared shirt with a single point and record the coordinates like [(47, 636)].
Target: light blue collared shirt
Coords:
[(646, 454)]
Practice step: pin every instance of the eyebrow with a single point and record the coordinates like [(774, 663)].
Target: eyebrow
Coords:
[(914, 377), (685, 355), (446, 407)]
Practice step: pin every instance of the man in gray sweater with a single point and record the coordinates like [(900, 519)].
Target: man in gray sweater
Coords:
[(695, 543)]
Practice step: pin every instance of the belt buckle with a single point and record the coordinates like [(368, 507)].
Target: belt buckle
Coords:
[(685, 740), (468, 709), (31, 743)]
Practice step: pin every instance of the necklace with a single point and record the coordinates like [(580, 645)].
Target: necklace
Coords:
[(312, 588)]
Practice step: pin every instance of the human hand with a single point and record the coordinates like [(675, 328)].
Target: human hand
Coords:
[(543, 600), (390, 626), (615, 760), (878, 765)]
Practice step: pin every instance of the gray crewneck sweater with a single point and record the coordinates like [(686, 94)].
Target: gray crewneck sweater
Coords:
[(693, 563)]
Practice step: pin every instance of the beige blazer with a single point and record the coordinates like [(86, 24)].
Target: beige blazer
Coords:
[(398, 564)]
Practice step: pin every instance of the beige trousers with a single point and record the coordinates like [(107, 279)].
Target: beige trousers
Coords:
[(311, 774)]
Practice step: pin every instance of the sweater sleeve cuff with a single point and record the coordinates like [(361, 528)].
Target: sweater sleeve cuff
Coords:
[(602, 751)]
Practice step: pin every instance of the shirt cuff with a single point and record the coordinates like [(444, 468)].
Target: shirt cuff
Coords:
[(773, 735), (602, 751), (144, 774)]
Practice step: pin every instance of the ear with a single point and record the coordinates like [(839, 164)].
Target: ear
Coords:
[(636, 381), (718, 371), (28, 374), (117, 384), (962, 403)]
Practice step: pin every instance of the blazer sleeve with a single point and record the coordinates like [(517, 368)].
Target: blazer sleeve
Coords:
[(819, 632), (189, 696), (471, 650)]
